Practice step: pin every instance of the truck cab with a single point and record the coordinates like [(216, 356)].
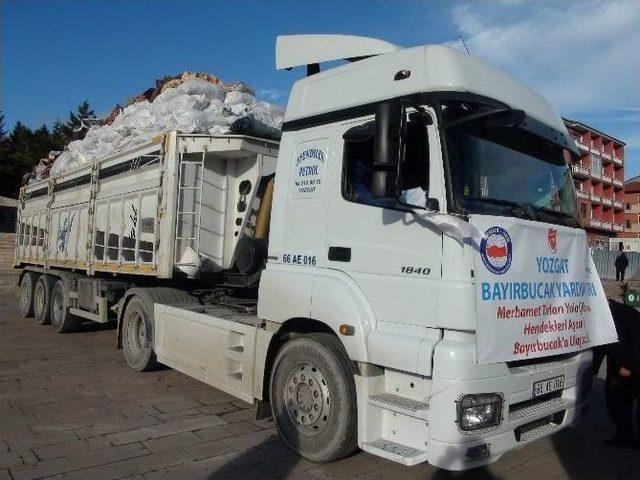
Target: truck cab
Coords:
[(365, 333), (437, 121)]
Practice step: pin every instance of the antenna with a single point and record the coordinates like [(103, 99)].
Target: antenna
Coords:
[(464, 44)]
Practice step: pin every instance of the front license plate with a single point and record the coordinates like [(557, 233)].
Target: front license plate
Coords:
[(548, 386)]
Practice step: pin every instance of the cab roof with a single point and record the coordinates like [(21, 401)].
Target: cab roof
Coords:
[(433, 68)]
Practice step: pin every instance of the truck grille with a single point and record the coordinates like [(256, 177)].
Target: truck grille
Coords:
[(527, 366), (536, 405), (538, 428)]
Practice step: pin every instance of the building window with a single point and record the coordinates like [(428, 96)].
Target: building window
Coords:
[(583, 210), (629, 224), (628, 206), (596, 166)]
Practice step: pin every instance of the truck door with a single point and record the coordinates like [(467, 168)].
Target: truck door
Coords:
[(393, 257)]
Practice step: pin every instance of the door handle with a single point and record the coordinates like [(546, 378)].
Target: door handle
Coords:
[(340, 254)]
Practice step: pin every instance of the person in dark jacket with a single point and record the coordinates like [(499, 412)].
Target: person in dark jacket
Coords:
[(621, 263), (622, 384)]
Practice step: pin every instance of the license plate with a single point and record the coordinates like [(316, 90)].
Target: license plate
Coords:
[(548, 386)]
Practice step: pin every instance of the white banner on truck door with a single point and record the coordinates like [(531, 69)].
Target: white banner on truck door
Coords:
[(537, 291)]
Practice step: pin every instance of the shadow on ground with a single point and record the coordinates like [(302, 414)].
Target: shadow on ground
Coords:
[(581, 451), (280, 462), (88, 327)]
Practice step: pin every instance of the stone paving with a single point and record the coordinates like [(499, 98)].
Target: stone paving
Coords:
[(70, 408)]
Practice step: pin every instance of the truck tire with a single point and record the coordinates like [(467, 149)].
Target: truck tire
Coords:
[(42, 299), (61, 319), (137, 327), (27, 284), (313, 398), (137, 335)]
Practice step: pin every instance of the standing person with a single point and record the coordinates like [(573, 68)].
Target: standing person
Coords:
[(622, 385), (621, 263)]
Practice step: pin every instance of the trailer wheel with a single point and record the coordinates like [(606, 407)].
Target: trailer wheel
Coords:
[(26, 294), (61, 319), (313, 398), (137, 336), (42, 299)]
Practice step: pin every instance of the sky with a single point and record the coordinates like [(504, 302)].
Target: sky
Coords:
[(583, 56)]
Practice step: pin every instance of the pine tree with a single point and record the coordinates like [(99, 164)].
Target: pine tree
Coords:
[(6, 185), (20, 151), (3, 132), (73, 129), (22, 148)]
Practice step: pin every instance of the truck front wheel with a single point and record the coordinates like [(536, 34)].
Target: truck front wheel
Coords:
[(137, 337), (313, 397), (26, 294)]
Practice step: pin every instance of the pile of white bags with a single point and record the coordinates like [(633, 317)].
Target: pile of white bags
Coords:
[(193, 106)]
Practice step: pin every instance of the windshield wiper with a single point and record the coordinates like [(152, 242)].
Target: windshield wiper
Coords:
[(501, 117), (557, 213), (553, 212), (528, 211), (512, 207)]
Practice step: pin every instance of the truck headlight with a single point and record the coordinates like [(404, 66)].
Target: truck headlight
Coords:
[(479, 410)]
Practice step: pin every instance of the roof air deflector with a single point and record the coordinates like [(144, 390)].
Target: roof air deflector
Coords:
[(301, 50)]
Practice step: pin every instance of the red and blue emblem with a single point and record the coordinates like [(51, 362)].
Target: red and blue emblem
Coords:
[(552, 239), (496, 250)]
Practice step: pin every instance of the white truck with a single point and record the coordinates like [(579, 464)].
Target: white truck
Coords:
[(334, 298)]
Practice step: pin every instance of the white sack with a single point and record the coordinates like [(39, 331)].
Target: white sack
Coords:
[(194, 106)]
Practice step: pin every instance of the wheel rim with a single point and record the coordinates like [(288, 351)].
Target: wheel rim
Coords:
[(307, 398), (57, 307), (25, 293), (137, 337), (38, 300)]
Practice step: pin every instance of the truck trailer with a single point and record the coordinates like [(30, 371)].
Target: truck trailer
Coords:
[(326, 278)]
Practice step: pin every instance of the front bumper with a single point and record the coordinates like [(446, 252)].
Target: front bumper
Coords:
[(524, 418)]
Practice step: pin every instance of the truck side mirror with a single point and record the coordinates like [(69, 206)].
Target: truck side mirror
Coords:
[(432, 204), (387, 148)]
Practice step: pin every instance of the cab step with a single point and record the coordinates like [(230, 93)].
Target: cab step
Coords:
[(395, 452), (402, 405)]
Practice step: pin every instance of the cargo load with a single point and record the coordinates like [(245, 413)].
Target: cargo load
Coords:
[(192, 102)]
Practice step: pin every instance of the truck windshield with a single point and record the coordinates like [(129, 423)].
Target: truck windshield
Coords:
[(501, 169)]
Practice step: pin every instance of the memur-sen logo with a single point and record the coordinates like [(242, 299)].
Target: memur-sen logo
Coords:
[(496, 250), (552, 239)]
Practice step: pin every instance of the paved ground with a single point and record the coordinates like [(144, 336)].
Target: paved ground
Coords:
[(70, 408)]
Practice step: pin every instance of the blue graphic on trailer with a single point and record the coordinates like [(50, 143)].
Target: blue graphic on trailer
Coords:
[(134, 222), (64, 231)]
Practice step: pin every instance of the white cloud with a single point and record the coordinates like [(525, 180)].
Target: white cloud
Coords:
[(633, 142), (584, 56)]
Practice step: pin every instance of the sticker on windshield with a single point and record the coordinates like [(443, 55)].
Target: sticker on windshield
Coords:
[(496, 250)]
